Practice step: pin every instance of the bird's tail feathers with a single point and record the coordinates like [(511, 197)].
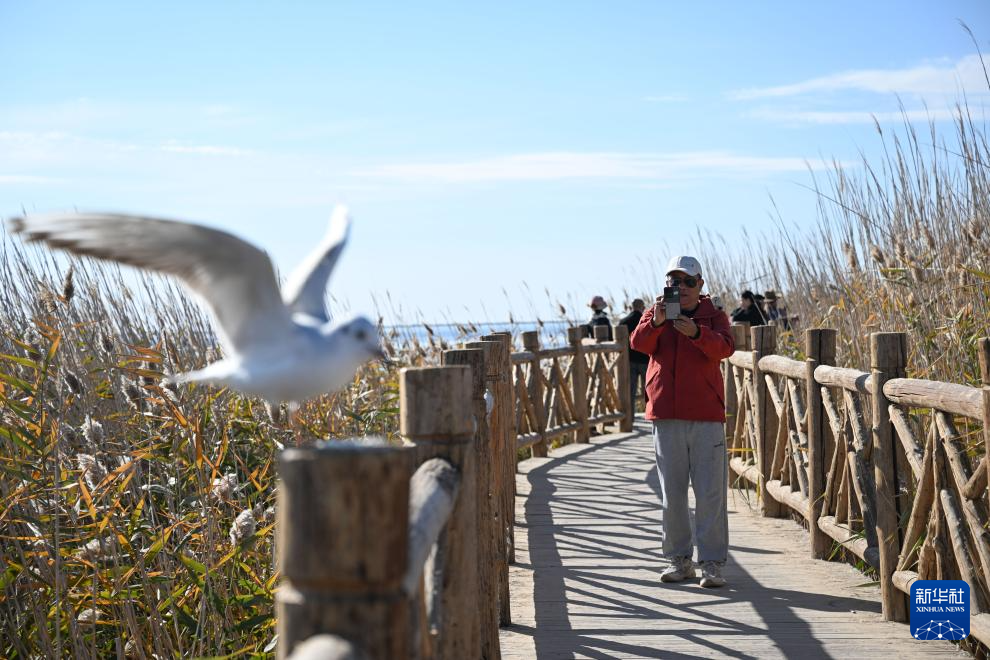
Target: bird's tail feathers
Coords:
[(215, 374)]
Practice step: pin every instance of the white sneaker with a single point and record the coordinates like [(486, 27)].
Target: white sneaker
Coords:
[(681, 568), (711, 575)]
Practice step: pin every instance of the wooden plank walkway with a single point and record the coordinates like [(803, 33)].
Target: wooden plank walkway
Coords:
[(586, 579)]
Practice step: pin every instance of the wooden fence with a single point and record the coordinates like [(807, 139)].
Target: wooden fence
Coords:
[(880, 464), (396, 552)]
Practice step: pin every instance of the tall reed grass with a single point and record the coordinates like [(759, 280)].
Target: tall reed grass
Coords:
[(900, 245)]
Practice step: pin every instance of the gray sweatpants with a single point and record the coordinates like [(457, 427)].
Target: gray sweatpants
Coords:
[(692, 451)]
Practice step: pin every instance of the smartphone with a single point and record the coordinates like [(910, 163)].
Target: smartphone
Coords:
[(671, 302)]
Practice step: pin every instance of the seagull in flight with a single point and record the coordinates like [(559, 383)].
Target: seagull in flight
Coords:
[(279, 345)]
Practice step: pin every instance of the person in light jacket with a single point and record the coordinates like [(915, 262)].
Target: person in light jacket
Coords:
[(686, 402)]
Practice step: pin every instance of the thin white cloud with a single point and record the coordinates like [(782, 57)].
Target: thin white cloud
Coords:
[(52, 143), (667, 98), (578, 165), (946, 78), (26, 179), (20, 148), (204, 149), (865, 117)]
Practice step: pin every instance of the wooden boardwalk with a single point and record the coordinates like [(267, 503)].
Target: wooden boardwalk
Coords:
[(586, 579)]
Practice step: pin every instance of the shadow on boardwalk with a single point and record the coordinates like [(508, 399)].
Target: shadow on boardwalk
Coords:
[(586, 582)]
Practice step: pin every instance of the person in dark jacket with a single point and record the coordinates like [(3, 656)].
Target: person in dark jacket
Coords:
[(749, 310), (637, 361), (598, 317), (774, 311), (686, 402)]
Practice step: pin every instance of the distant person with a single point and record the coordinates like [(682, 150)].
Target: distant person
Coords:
[(598, 317), (749, 310), (775, 313), (637, 361), (685, 402), (761, 305)]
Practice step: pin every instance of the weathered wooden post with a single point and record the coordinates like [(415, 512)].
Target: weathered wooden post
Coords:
[(505, 401), (436, 416), (600, 334), (984, 355), (487, 530), (764, 339), (624, 379), (740, 337), (343, 523), (579, 384), (820, 349), (888, 359), (536, 389)]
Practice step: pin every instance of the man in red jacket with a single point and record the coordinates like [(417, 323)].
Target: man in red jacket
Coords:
[(685, 401)]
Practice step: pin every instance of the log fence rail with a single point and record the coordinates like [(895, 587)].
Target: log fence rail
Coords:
[(871, 461)]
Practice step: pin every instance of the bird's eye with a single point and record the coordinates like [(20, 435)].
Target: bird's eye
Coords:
[(361, 335)]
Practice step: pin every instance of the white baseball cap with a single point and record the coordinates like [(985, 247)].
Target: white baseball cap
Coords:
[(685, 264)]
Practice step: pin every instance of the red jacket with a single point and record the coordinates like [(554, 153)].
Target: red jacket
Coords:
[(683, 380)]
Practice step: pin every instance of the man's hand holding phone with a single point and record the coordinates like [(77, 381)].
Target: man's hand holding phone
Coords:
[(668, 306), (659, 314)]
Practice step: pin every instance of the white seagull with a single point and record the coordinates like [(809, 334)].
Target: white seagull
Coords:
[(281, 346)]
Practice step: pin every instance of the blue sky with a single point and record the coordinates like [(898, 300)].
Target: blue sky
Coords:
[(487, 153)]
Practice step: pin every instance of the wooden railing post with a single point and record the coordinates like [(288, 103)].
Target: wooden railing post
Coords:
[(487, 529), (740, 336), (888, 358), (342, 534), (623, 378), (436, 416), (579, 384), (505, 461), (764, 343), (531, 343), (820, 349), (600, 334), (984, 356)]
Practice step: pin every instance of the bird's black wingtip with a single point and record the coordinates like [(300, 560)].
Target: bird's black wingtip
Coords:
[(15, 225)]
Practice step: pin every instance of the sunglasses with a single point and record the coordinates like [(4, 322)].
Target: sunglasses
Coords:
[(689, 282)]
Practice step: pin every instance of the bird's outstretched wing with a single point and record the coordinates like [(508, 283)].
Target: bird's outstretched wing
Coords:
[(235, 278), (305, 289)]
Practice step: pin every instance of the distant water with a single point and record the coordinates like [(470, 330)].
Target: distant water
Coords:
[(552, 333)]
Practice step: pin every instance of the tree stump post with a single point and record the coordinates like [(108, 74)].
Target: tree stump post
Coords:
[(484, 468), (436, 416), (623, 378), (820, 349), (740, 338), (536, 389), (764, 339), (741, 335), (505, 400), (579, 384), (888, 358), (342, 534), (984, 355)]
